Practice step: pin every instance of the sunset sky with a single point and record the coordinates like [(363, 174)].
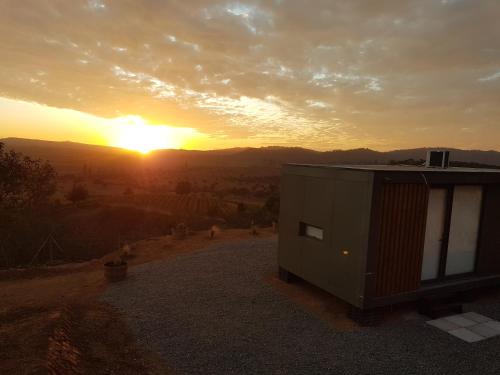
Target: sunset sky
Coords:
[(213, 74)]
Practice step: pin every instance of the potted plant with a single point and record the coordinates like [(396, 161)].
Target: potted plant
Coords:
[(115, 270), (213, 230), (126, 253)]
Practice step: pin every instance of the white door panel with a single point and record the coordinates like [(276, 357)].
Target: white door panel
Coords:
[(464, 228), (436, 212)]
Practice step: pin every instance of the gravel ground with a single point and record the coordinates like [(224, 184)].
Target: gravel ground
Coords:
[(212, 312)]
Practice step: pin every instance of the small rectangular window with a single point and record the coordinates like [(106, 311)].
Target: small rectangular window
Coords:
[(310, 231)]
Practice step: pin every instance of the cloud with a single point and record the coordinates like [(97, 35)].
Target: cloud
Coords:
[(491, 77), (325, 74)]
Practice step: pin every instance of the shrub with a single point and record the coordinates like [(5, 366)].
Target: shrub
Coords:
[(77, 193), (180, 231), (26, 186), (273, 205), (24, 182)]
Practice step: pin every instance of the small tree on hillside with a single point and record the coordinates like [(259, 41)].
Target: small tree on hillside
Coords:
[(24, 182), (26, 186), (77, 193)]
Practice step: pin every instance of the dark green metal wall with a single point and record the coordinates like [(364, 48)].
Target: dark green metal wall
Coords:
[(339, 201)]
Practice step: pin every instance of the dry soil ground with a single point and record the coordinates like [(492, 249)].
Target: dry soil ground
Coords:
[(51, 319)]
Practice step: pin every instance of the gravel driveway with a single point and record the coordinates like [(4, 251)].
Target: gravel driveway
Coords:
[(212, 312)]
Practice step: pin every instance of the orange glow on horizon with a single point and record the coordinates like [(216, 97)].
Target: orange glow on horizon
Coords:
[(134, 133), (37, 121)]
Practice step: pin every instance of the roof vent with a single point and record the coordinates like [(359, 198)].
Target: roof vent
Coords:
[(438, 159)]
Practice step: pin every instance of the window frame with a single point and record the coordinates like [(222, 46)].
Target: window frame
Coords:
[(304, 233)]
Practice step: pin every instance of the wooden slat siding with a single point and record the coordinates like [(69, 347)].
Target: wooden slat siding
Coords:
[(402, 235)]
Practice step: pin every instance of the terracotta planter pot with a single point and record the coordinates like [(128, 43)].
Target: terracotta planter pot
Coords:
[(115, 272)]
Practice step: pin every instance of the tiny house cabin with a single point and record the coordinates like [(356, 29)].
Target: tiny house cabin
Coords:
[(379, 235)]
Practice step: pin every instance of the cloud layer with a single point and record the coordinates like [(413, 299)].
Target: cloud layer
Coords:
[(321, 74)]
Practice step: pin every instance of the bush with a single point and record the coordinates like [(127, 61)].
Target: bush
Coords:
[(26, 186), (180, 231), (77, 193), (24, 182), (273, 205)]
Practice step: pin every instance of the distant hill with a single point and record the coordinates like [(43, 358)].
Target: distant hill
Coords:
[(70, 156)]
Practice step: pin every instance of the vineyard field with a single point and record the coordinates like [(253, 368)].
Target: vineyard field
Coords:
[(186, 204)]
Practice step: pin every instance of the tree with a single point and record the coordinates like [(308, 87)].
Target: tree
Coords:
[(183, 187), (77, 193), (24, 182), (26, 186)]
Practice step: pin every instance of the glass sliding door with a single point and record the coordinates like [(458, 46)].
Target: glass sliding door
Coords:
[(464, 228), (436, 215), (452, 228)]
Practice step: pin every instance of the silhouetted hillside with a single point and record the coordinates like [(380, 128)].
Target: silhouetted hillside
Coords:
[(67, 156)]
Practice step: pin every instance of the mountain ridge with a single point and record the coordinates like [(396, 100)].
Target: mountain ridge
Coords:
[(65, 155)]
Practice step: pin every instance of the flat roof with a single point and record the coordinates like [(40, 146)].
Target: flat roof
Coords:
[(399, 168)]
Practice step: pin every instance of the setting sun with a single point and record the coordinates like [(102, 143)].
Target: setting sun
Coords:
[(133, 133)]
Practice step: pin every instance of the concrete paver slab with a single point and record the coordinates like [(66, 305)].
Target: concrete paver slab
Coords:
[(443, 324), (460, 320), (483, 329), (466, 335)]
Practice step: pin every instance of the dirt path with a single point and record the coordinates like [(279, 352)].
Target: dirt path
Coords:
[(52, 321), (55, 324)]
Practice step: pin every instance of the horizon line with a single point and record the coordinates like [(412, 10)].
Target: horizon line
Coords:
[(247, 148)]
